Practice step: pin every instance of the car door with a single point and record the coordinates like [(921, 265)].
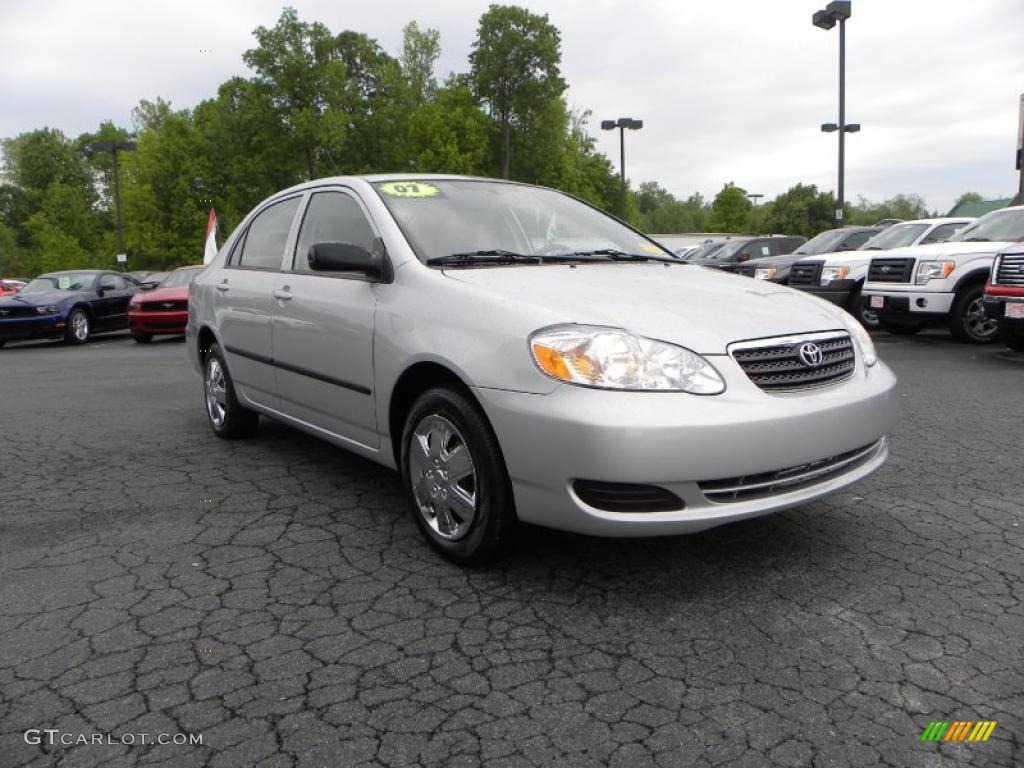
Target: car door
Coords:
[(110, 308), (323, 325), (243, 300)]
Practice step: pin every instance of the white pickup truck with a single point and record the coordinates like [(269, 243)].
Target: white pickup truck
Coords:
[(839, 276), (943, 283)]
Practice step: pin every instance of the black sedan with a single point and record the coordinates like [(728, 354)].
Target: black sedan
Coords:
[(70, 305)]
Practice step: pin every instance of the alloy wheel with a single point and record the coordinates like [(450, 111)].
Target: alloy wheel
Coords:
[(215, 384), (979, 326), (80, 326), (442, 475)]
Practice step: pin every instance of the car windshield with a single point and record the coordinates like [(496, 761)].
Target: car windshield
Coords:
[(450, 217), (998, 226), (896, 236), (826, 242), (728, 251), (181, 277), (66, 281)]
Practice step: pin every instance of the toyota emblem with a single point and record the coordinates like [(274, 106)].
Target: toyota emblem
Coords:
[(811, 354)]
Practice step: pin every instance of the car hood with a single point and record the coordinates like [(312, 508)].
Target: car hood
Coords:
[(40, 299), (940, 250), (704, 310), (174, 293)]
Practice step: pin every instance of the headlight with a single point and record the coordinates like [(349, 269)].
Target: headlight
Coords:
[(863, 339), (934, 270), (611, 358), (766, 273), (47, 310), (828, 274)]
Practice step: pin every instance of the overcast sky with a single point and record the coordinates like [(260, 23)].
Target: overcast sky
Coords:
[(728, 91)]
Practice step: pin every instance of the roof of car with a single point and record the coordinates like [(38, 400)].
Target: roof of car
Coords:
[(76, 272)]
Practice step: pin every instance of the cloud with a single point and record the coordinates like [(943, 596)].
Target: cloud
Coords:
[(727, 91)]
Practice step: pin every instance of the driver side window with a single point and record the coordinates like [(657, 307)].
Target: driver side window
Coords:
[(331, 217), (111, 283)]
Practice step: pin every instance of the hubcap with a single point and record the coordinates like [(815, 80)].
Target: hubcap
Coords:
[(869, 316), (80, 326), (216, 392), (443, 477), (979, 326)]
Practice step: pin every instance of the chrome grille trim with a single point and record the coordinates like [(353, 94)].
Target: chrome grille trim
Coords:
[(764, 484), (774, 365), (806, 273), (1009, 270)]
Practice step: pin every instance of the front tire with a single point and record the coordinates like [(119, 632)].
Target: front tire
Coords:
[(142, 338), (967, 319), (78, 328), (1016, 343), (455, 478), (228, 419), (860, 309)]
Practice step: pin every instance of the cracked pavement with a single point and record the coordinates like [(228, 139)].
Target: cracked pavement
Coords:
[(275, 596)]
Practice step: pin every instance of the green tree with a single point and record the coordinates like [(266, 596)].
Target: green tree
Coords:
[(514, 66), (905, 207), (800, 210), (729, 210), (420, 51), (970, 197)]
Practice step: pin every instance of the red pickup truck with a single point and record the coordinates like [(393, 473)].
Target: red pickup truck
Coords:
[(1004, 295)]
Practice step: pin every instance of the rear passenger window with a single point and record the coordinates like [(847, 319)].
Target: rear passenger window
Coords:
[(265, 240), (332, 217)]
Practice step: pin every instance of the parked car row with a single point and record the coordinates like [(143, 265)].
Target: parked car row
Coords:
[(74, 305)]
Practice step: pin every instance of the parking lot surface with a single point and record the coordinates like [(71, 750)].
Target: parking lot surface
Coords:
[(274, 596)]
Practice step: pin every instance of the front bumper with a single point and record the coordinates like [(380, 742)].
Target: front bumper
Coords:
[(910, 302), (156, 323), (995, 308), (678, 441), (838, 291), (25, 328)]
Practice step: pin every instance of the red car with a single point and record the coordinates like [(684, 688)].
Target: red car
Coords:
[(1004, 295), (8, 287), (163, 310)]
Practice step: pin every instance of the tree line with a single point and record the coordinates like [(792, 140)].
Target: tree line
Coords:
[(320, 103)]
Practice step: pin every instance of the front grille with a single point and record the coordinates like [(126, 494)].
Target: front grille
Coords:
[(776, 365), (1010, 270), (765, 484), (890, 270), (11, 312), (626, 497), (806, 273), (163, 306)]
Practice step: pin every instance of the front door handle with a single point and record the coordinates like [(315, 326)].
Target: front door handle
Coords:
[(221, 287), (282, 294)]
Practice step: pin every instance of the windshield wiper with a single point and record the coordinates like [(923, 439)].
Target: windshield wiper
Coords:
[(977, 240), (490, 256), (617, 255)]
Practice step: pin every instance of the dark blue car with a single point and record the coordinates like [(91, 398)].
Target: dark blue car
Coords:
[(70, 305)]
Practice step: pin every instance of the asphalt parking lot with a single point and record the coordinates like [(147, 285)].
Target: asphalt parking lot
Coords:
[(274, 596)]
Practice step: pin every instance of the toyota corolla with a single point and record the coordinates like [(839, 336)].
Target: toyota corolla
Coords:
[(518, 355)]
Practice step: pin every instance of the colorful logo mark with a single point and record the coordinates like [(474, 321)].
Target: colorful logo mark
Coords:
[(959, 730)]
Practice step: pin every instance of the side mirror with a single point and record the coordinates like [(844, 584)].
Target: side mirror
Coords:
[(104, 289), (743, 257), (149, 285), (348, 257)]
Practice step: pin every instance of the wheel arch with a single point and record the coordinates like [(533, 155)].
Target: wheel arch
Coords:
[(411, 383), (971, 278)]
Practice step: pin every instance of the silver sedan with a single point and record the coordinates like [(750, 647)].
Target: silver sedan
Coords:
[(516, 354)]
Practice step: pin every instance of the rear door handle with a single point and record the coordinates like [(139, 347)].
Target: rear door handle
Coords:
[(282, 294), (221, 287)]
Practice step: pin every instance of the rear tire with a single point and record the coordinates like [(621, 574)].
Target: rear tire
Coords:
[(78, 328), (142, 338), (897, 328), (455, 478), (228, 419), (967, 321)]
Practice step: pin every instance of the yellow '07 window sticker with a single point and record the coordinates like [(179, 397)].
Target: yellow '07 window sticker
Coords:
[(650, 248), (409, 189)]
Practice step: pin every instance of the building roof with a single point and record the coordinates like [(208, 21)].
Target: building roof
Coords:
[(978, 209)]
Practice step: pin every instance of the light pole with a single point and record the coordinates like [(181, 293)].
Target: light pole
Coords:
[(838, 10), (109, 145), (754, 197), (622, 124)]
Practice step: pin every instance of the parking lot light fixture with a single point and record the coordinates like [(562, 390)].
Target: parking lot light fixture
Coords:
[(838, 11), (622, 124)]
